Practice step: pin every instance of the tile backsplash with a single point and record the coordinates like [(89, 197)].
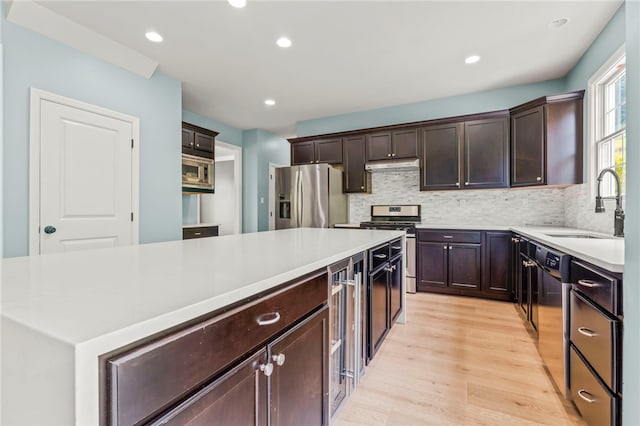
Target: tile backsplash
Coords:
[(553, 206)]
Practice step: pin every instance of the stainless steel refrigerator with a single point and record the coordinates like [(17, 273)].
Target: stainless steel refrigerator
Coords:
[(309, 196)]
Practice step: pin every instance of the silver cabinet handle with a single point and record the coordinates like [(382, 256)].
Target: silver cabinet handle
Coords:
[(528, 263), (268, 319), (539, 179), (362, 187), (279, 359), (267, 369), (588, 283), (396, 247), (447, 236), (197, 144), (582, 393), (393, 155), (587, 332), (388, 155), (445, 247), (197, 233), (458, 184), (466, 183), (380, 256)]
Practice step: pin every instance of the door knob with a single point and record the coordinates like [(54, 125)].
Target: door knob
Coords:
[(49, 229)]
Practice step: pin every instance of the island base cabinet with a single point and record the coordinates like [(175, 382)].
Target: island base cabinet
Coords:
[(378, 296), (299, 387), (237, 398)]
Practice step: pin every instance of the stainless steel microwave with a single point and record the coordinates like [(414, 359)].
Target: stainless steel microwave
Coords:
[(197, 174)]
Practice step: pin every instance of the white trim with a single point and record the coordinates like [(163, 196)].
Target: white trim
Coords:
[(594, 111), (37, 96), (237, 179)]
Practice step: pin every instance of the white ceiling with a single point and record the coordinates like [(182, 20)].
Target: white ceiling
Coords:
[(347, 55)]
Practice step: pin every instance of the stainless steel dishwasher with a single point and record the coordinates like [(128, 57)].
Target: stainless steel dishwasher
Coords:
[(553, 314)]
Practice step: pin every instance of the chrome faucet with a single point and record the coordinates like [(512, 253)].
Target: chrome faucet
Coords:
[(618, 226)]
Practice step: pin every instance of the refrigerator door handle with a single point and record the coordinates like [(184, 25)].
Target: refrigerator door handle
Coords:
[(298, 197), (301, 200)]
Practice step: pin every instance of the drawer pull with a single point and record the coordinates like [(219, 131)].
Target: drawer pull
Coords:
[(586, 396), (588, 283), (267, 369), (380, 256), (587, 332), (396, 247), (197, 233), (268, 319), (279, 359), (448, 236)]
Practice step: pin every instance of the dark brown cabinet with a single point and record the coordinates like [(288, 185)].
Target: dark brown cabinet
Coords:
[(198, 141), (273, 360), (393, 144), (546, 141), (356, 178), (498, 279), (466, 153), (460, 262), (384, 293), (189, 233), (317, 151)]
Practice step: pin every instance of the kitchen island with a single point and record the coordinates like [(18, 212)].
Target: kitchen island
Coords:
[(61, 312)]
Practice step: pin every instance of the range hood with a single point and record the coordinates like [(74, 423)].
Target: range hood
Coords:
[(391, 166)]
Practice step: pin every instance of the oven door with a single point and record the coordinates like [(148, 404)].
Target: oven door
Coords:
[(197, 174)]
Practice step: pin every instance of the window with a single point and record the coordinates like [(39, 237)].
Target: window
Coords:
[(608, 116)]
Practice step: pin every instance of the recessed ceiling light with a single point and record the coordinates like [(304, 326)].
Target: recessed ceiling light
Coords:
[(237, 3), (284, 42), (557, 23), (472, 59), (270, 102), (153, 36)]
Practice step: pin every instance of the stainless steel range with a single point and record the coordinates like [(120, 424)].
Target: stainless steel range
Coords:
[(403, 218)]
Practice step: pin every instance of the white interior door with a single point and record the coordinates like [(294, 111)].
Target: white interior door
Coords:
[(86, 179)]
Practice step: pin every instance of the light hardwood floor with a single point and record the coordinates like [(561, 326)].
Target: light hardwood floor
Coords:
[(458, 361)]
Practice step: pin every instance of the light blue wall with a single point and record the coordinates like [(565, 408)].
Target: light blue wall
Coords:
[(32, 60), (471, 103), (226, 133), (259, 149), (249, 180), (631, 290)]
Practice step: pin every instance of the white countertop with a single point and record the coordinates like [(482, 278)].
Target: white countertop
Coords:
[(91, 302), (465, 227), (347, 225), (198, 225), (607, 252)]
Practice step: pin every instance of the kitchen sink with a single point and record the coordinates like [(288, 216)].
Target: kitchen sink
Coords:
[(586, 236)]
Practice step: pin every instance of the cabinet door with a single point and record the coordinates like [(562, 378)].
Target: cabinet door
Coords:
[(395, 285), (440, 157), (486, 153), (303, 153), (379, 146), (523, 285), (378, 299), (432, 265), (204, 142), (187, 138), (355, 179), (329, 151), (497, 253), (405, 143), (299, 387), (464, 266), (528, 148), (237, 398)]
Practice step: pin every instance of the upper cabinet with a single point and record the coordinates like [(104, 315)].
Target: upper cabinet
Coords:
[(198, 141), (356, 178), (467, 154), (317, 151), (546, 141), (400, 143)]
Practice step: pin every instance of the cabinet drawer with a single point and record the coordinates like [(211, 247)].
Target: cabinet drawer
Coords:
[(152, 376), (596, 337), (395, 248), (594, 402), (378, 256), (450, 236), (597, 286), (199, 232)]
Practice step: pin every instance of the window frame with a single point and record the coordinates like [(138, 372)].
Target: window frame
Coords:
[(595, 89)]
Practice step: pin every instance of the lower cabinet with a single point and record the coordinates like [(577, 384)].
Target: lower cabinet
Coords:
[(265, 363), (471, 263), (199, 232), (384, 294)]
